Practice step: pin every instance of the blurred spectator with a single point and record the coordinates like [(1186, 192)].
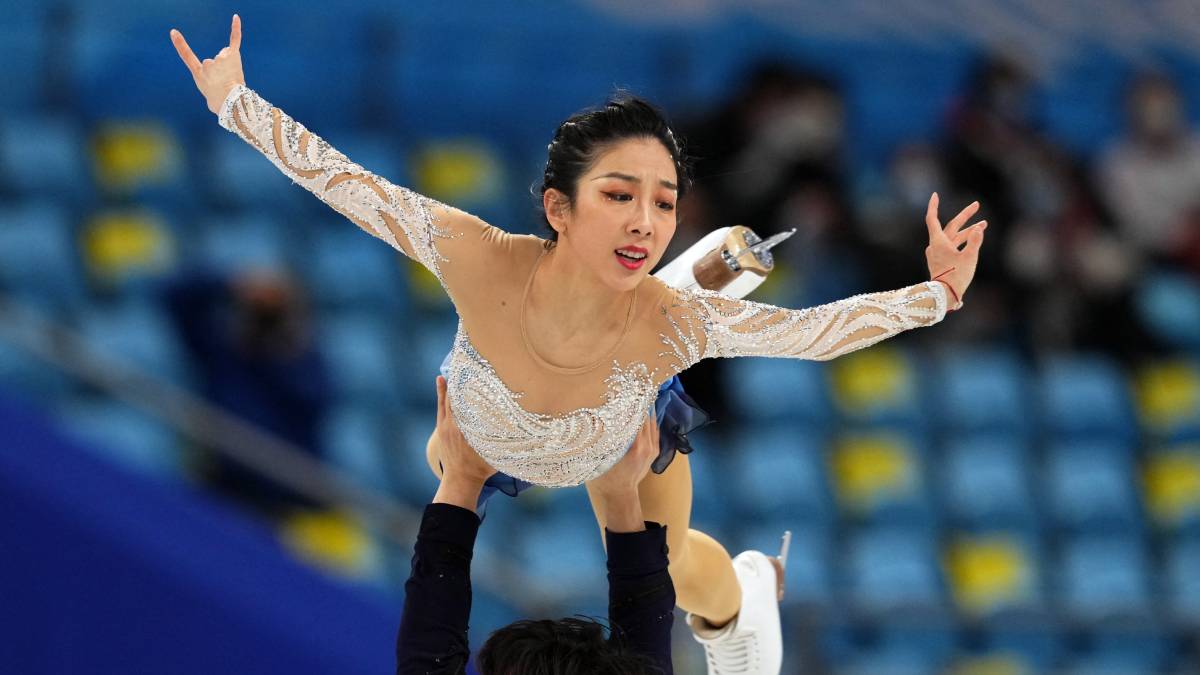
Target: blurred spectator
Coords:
[(1151, 176), (770, 158), (254, 354)]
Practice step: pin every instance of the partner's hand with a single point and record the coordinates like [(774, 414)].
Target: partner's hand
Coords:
[(460, 462), (623, 478), (216, 76), (946, 262)]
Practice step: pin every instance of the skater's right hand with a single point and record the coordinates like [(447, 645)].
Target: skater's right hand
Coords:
[(214, 77)]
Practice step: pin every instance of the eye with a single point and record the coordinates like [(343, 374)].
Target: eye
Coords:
[(666, 206), (618, 196)]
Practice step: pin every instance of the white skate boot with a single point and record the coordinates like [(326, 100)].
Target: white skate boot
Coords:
[(752, 643)]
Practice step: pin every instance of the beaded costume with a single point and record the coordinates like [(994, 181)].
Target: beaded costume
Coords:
[(543, 423)]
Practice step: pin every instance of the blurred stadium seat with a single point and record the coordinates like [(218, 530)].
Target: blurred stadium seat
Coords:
[(38, 262), (41, 155), (122, 249), (241, 241), (987, 482), (779, 470), (777, 389), (131, 437), (983, 390), (1089, 487), (362, 352), (1086, 396), (880, 477), (346, 267), (1171, 479), (353, 439), (993, 573), (135, 334), (1169, 399), (878, 386), (1105, 576), (892, 569)]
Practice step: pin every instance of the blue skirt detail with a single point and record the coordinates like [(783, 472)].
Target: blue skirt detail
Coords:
[(677, 414)]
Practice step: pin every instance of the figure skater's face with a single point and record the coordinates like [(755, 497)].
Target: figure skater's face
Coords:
[(624, 212)]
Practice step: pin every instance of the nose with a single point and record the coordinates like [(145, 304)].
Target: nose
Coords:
[(643, 221)]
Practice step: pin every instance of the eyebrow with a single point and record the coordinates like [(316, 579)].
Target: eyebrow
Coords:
[(634, 179)]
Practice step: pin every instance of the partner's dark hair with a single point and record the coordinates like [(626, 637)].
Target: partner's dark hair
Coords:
[(581, 139), (565, 647)]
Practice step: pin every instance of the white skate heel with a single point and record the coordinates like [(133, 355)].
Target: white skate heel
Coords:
[(752, 643)]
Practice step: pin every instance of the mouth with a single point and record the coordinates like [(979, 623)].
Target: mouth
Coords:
[(631, 257)]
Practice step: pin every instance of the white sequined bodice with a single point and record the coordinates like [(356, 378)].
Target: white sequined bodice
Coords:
[(472, 260)]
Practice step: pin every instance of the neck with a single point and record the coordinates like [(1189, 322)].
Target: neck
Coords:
[(574, 296)]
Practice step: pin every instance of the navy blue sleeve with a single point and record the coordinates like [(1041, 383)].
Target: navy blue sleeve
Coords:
[(437, 596), (641, 597)]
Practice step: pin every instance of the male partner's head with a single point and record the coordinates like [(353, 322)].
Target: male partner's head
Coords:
[(563, 647)]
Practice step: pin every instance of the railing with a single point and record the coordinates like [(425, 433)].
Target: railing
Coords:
[(253, 447)]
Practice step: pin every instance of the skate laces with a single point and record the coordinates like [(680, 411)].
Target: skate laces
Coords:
[(736, 655)]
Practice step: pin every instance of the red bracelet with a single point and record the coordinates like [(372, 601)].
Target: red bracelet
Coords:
[(957, 300)]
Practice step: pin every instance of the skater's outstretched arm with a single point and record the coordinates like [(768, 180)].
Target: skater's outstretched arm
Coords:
[(425, 230), (708, 325)]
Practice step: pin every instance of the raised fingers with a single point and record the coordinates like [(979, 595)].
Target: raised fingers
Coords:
[(235, 33), (961, 219), (931, 218), (185, 52), (961, 236), (441, 394)]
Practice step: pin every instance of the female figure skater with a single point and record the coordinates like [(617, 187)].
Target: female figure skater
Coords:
[(563, 344)]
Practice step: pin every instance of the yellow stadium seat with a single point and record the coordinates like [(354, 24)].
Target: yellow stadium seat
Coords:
[(459, 172), (991, 664), (331, 540), (1171, 480), (871, 379), (989, 573), (871, 470), (127, 156), (1168, 395), (118, 245)]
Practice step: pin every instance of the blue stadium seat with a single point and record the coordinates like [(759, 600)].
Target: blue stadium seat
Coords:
[(987, 483), (892, 661), (414, 481), (38, 260), (353, 440), (1183, 578), (125, 435), (239, 241), (1089, 486), (240, 176), (565, 552), (348, 267), (778, 389), (431, 340), (1169, 306), (362, 353), (778, 471), (981, 390), (1086, 396), (1105, 576), (44, 156), (137, 334), (810, 558), (892, 569)]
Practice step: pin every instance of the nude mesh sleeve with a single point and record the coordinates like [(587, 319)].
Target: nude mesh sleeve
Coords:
[(709, 325), (410, 222)]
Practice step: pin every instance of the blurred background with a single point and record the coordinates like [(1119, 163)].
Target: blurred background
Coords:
[(215, 392)]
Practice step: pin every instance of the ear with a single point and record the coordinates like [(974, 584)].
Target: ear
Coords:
[(557, 209)]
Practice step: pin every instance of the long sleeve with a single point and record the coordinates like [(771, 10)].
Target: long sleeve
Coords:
[(425, 230), (432, 638), (705, 324), (641, 597)]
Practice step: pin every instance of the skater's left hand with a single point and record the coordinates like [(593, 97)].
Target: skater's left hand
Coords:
[(946, 261), (214, 77)]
